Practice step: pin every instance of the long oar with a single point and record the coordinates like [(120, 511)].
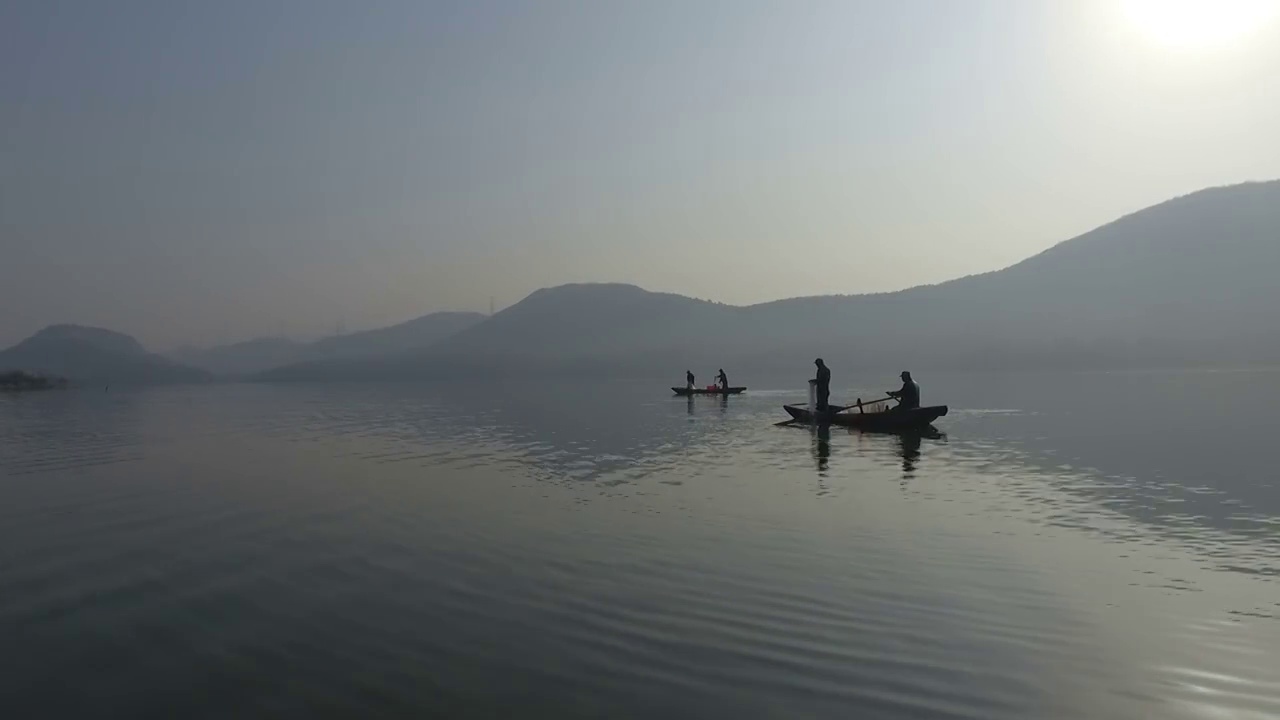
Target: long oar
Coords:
[(864, 404)]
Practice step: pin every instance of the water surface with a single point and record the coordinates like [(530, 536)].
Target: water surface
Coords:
[(1099, 545)]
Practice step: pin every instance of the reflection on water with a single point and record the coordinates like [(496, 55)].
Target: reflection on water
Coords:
[(910, 445), (822, 448), (399, 551), (906, 444), (703, 402)]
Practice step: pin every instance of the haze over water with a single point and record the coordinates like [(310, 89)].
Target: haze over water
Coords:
[(1089, 545)]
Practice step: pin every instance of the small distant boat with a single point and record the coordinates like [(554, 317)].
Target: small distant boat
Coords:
[(708, 391), (889, 421)]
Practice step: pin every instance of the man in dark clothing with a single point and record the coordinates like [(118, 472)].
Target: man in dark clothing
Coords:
[(824, 384), (909, 396), (723, 380), (688, 379)]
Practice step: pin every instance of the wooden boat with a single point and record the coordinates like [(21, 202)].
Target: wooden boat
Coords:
[(888, 421), (708, 391)]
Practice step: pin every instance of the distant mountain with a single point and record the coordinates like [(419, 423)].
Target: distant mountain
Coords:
[(94, 354), (556, 329), (415, 334), (593, 320), (255, 356), (1189, 281), (242, 358)]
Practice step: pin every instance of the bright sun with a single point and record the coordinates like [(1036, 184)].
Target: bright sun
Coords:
[(1199, 23)]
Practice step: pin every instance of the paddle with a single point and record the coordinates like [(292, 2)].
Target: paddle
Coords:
[(833, 409), (864, 404)]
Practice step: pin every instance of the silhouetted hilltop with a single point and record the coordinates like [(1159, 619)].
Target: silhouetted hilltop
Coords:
[(255, 356), (1189, 281), (242, 358), (88, 353), (415, 334), (600, 320)]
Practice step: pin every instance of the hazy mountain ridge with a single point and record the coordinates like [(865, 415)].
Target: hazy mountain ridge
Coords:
[(587, 319), (410, 335), (94, 354), (1188, 281), (255, 356), (241, 358)]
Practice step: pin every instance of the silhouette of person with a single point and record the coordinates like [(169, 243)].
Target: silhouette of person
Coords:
[(909, 396), (824, 384), (723, 380), (688, 379)]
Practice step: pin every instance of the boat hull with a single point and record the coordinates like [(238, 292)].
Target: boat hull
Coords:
[(704, 391), (890, 421)]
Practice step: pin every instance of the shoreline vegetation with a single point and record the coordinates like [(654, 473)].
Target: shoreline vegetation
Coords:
[(19, 381)]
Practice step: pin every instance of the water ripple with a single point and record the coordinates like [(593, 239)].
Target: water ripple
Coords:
[(393, 551)]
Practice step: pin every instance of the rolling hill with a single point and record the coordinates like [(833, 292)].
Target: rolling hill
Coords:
[(255, 356), (415, 334), (242, 358), (94, 354), (1188, 281)]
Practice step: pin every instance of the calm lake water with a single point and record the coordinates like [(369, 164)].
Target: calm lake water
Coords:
[(1075, 546)]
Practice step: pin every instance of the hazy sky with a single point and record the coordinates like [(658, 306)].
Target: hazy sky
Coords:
[(199, 171)]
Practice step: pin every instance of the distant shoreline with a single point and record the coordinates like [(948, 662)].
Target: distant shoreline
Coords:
[(19, 381)]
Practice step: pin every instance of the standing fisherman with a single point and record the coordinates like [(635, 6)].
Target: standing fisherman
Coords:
[(824, 384)]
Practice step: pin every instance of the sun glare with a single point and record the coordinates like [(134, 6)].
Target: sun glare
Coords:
[(1190, 24)]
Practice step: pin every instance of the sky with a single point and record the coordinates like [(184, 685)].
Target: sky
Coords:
[(200, 172)]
